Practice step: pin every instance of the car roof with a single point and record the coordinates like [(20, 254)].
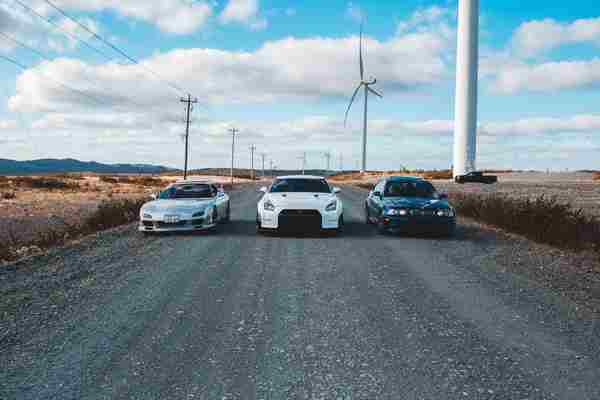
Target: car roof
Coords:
[(190, 181), (404, 178), (300, 177)]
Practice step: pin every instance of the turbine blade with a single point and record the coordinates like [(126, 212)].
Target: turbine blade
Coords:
[(351, 101), (374, 92), (360, 55)]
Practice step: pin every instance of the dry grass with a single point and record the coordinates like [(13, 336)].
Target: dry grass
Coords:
[(109, 214), (544, 220), (445, 174)]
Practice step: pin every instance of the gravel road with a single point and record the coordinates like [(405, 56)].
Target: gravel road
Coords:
[(233, 315)]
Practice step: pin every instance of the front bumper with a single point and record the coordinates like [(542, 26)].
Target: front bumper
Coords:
[(299, 220), (198, 224), (419, 224)]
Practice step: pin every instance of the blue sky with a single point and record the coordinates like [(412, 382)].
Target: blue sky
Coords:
[(283, 72)]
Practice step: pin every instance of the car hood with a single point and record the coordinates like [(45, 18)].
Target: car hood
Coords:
[(301, 200), (414, 202), (177, 206)]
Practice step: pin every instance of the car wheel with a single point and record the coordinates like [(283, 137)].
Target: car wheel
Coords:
[(381, 227), (367, 216), (227, 217), (340, 228), (214, 219)]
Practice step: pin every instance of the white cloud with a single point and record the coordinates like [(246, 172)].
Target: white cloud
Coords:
[(284, 69), (245, 12), (546, 77), (538, 36), (178, 17), (424, 19)]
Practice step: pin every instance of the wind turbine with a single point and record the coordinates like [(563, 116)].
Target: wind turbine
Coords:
[(366, 85)]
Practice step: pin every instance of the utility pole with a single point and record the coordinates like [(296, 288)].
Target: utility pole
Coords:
[(252, 148), (189, 103), (327, 156), (303, 158), (233, 132), (262, 155)]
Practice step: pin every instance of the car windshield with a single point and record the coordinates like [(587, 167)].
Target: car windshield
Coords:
[(188, 191), (300, 185), (410, 189)]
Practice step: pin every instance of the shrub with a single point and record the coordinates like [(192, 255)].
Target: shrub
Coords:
[(108, 179), (8, 195), (542, 219), (446, 174), (113, 213), (44, 183)]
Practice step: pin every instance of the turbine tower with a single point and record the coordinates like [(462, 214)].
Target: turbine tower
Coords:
[(366, 84), (465, 113)]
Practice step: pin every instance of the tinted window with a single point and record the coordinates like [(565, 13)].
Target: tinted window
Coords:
[(188, 191), (410, 189), (300, 185)]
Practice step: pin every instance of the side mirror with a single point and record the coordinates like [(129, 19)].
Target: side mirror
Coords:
[(377, 194), (336, 190), (443, 196), (263, 189)]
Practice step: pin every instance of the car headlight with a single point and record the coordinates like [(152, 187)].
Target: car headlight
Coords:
[(331, 206), (445, 212), (268, 206), (396, 211), (198, 214), (146, 216)]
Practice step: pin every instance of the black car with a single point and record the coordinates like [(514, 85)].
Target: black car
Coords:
[(408, 204), (476, 177)]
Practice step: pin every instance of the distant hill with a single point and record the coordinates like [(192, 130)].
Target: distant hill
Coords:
[(50, 165)]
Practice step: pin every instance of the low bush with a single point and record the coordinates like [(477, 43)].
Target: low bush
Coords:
[(112, 213), (46, 183), (543, 219), (446, 174), (8, 195), (108, 179), (142, 180)]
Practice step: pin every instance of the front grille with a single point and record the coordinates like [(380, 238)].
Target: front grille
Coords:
[(300, 219), (164, 225), (421, 213), (148, 224), (300, 213)]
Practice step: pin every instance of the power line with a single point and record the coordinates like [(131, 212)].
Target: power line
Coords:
[(26, 67), (46, 57), (63, 31), (117, 49)]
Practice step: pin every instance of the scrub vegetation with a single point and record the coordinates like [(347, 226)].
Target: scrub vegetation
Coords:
[(543, 219), (109, 214)]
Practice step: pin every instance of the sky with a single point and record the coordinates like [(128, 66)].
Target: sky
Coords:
[(283, 73)]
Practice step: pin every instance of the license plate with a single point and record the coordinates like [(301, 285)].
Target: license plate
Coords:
[(171, 219)]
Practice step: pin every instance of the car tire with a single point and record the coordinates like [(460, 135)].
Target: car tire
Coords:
[(227, 217), (367, 216), (340, 228), (381, 227), (214, 220)]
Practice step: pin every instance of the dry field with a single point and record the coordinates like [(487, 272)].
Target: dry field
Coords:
[(36, 204), (579, 189)]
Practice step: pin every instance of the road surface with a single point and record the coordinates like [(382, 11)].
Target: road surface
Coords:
[(234, 315)]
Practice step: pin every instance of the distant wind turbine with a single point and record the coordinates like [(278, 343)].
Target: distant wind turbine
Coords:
[(367, 87)]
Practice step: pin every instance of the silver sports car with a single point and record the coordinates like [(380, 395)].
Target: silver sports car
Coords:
[(188, 205)]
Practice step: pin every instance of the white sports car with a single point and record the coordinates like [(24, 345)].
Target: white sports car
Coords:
[(187, 205), (300, 202)]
